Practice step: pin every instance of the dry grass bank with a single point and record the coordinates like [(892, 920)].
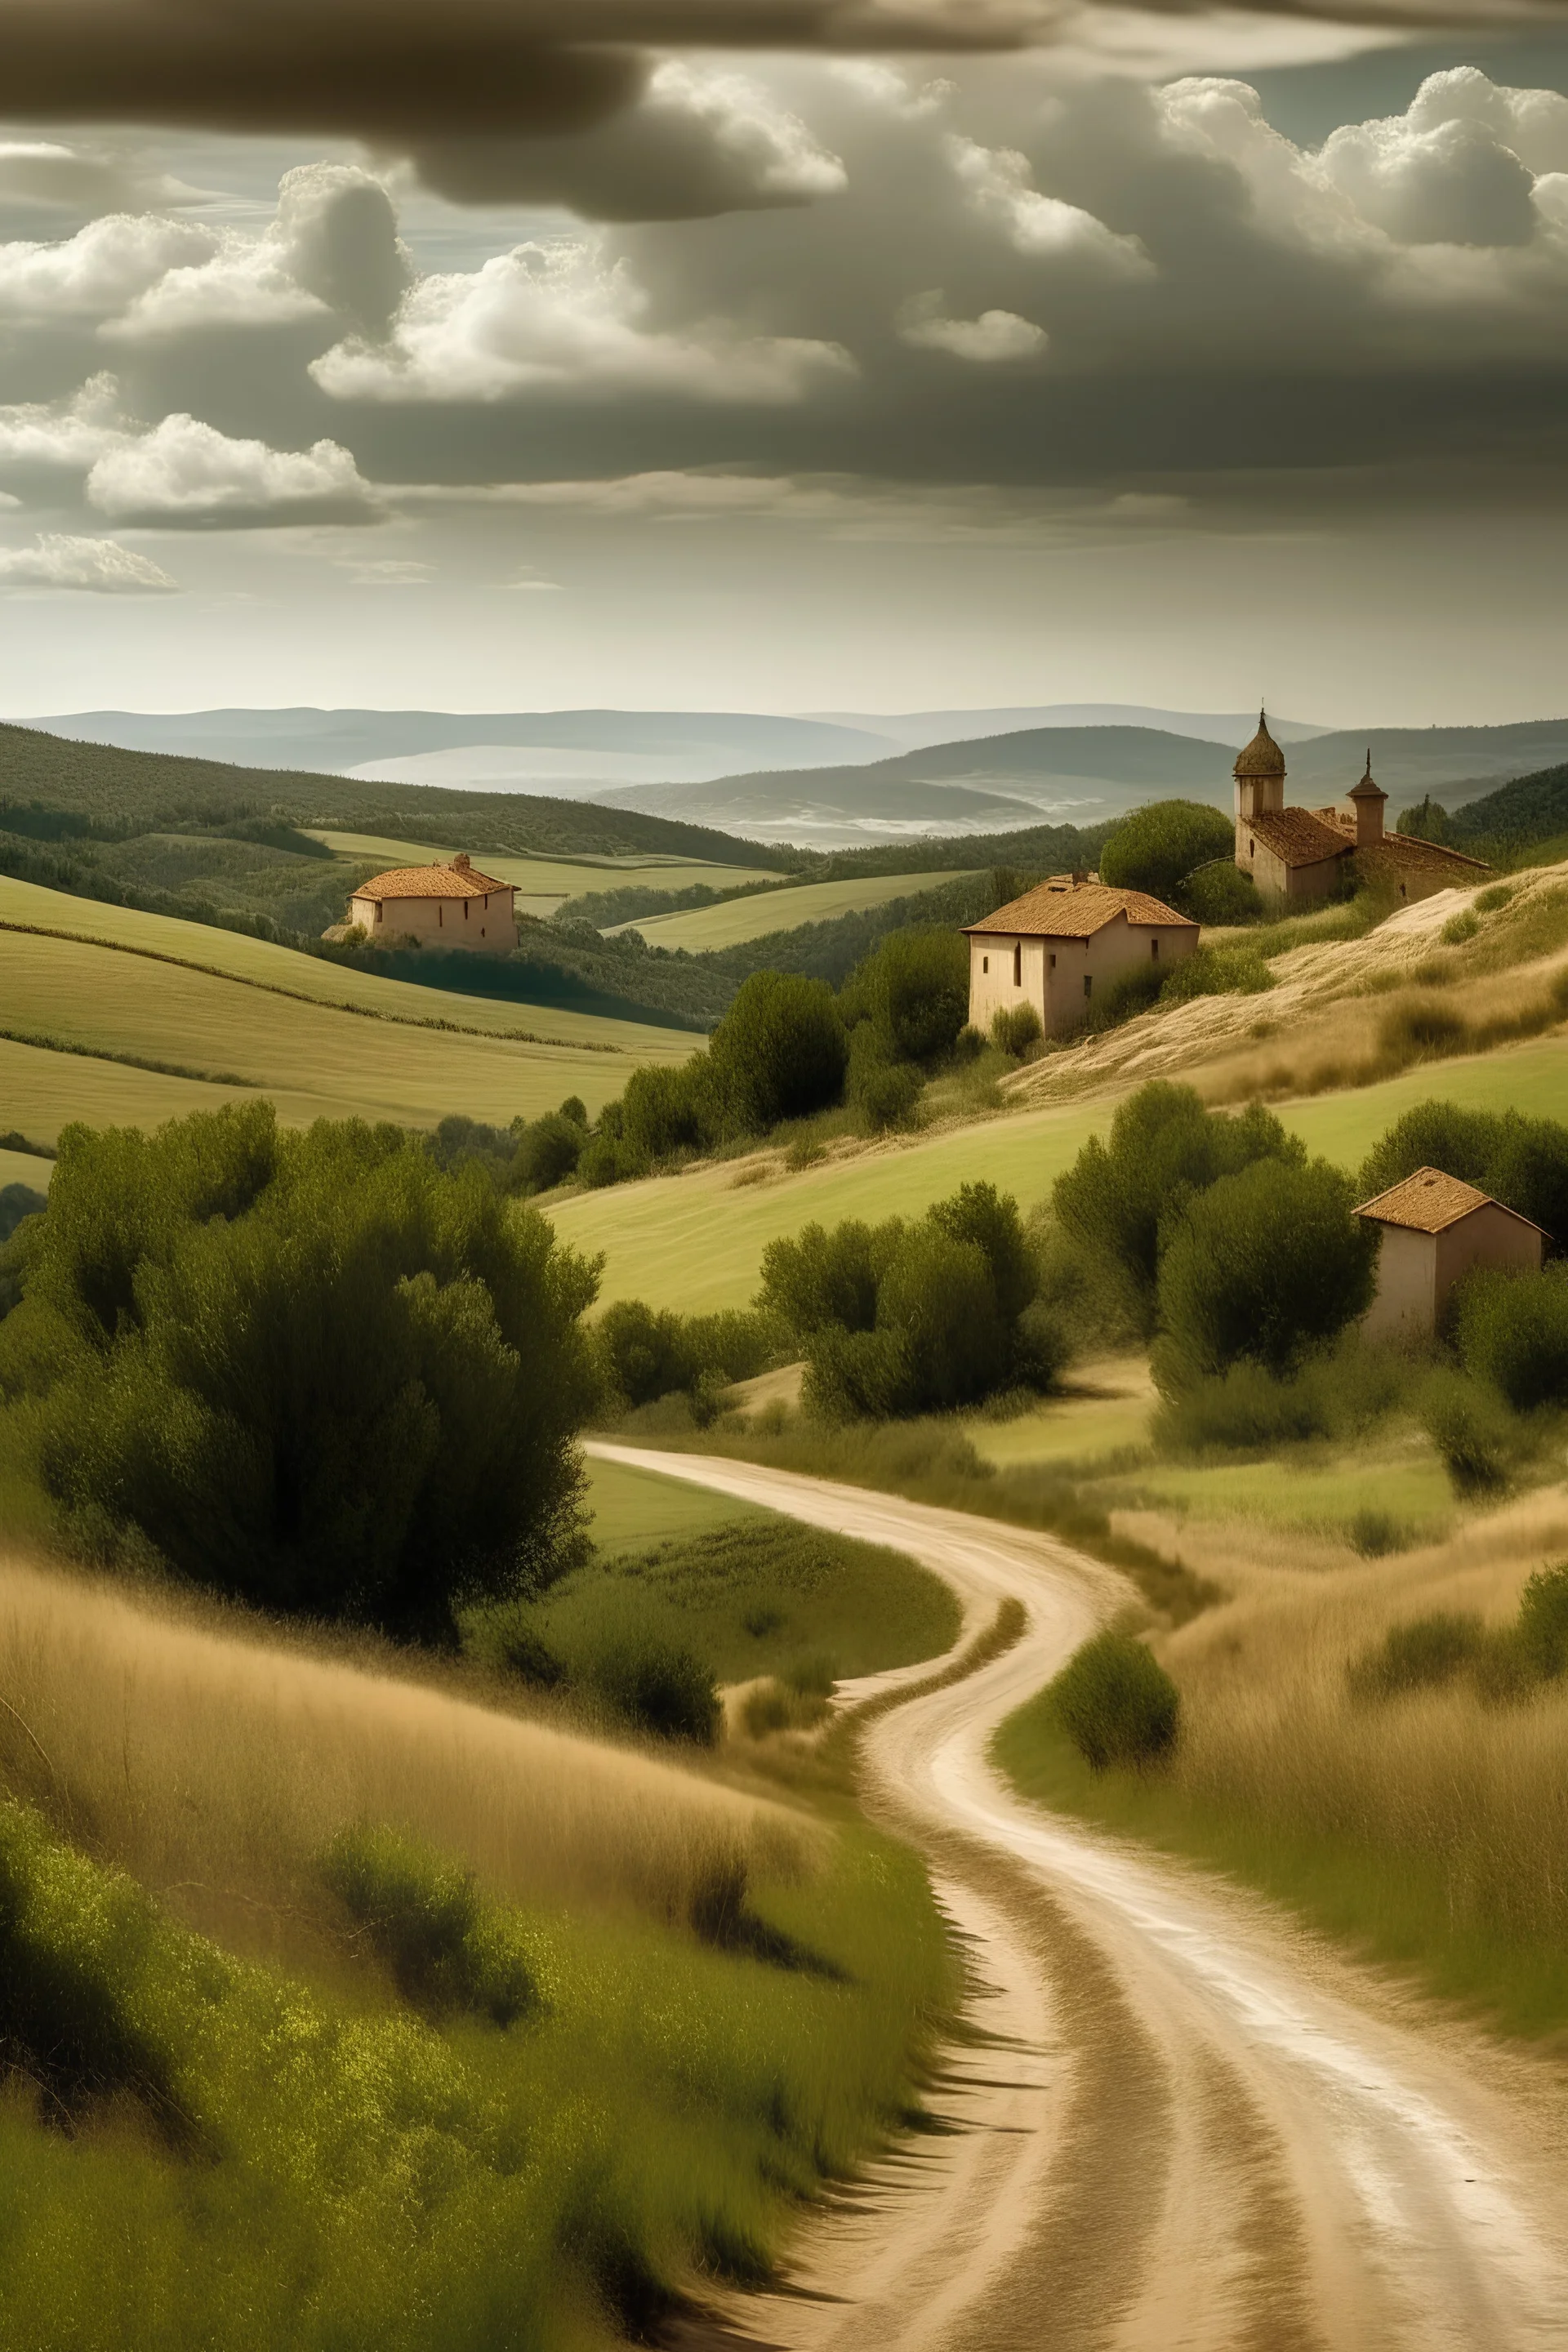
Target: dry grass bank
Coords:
[(215, 1767)]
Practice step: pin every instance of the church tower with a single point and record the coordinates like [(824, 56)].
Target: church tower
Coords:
[(1260, 773)]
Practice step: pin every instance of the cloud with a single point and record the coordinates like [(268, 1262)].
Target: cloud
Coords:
[(186, 473), (998, 184), (99, 271), (559, 319), (100, 566), (43, 173), (1458, 169), (71, 433), (700, 141), (996, 335)]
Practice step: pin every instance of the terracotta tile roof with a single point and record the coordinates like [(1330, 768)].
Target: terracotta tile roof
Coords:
[(1299, 838), (1430, 1202), (431, 882), (1066, 910), (1402, 850)]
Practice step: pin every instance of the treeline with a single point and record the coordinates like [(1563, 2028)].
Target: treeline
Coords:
[(1501, 825)]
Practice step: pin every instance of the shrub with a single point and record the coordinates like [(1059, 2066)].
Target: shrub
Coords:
[(1262, 1266), (1421, 1654), (1495, 896), (643, 1351), (1116, 1703), (1016, 1028), (1220, 894), (311, 1370), (1156, 847), (1458, 928), (1511, 1329), (1125, 997), (1422, 1026), (1217, 971), (16, 1201), (668, 1108), (1428, 820), (658, 1684), (1472, 1431), (914, 991), (779, 1053), (1337, 1393), (448, 1948), (822, 1278), (1118, 1196), (549, 1148), (1375, 1534), (1541, 1630), (881, 1092)]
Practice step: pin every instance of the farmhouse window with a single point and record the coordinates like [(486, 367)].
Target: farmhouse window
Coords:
[(1154, 949), (381, 910), (1089, 983), (984, 963), (1019, 964), (465, 910), (1052, 963)]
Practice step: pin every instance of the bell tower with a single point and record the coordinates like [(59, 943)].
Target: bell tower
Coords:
[(1259, 775)]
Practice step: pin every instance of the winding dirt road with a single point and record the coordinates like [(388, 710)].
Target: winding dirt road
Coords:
[(1181, 2126)]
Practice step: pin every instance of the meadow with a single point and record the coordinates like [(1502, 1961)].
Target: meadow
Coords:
[(1425, 1826), (378, 2017), (699, 930), (543, 883), (81, 1017), (695, 1241)]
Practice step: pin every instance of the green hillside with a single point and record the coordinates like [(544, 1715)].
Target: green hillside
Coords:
[(695, 1241), (111, 1015)]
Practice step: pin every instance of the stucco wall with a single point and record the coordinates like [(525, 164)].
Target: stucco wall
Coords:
[(1295, 884), (489, 928), (1487, 1237), (1405, 1307), (1416, 1272), (1052, 971)]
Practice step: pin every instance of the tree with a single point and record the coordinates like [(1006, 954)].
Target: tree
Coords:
[(1157, 847), (1119, 1198), (1511, 1331), (1262, 1266), (779, 1053), (1220, 893), (914, 991), (311, 1370), (1428, 820)]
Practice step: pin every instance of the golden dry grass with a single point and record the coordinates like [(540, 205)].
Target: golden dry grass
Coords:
[(213, 1764), (1272, 1731)]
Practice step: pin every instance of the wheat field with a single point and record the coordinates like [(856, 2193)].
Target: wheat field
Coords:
[(215, 1765)]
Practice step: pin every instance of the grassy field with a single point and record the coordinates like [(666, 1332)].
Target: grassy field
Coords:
[(699, 929), (23, 1168), (542, 882), (632, 1507), (1425, 1826), (534, 2106), (696, 1241), (265, 965)]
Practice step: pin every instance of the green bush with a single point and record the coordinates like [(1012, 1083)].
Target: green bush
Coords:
[(880, 1091), (1219, 894), (779, 1053), (1016, 1028), (822, 1278), (310, 1369), (656, 1684), (1423, 1654), (1335, 1394), (647, 1354), (1425, 1027), (1263, 1266), (1116, 1703), (1120, 1196), (914, 991), (1541, 1630), (16, 1201), (1458, 928), (1472, 1431), (448, 1948), (1217, 971), (549, 1148), (1511, 1329), (1156, 847)]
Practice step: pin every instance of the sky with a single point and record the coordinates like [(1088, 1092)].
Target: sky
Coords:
[(819, 354)]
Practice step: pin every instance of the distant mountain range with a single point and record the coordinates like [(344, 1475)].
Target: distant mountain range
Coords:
[(830, 779)]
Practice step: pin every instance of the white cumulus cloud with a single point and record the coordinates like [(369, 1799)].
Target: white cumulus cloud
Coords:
[(100, 566), (994, 336), (558, 318), (186, 473), (71, 433), (998, 181), (96, 273)]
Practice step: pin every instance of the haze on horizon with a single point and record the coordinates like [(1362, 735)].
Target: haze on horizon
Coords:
[(1163, 360)]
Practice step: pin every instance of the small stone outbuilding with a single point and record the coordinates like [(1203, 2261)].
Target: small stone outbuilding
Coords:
[(1435, 1229), (1062, 942), (438, 906)]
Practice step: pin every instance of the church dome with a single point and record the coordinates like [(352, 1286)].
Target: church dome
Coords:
[(1262, 756)]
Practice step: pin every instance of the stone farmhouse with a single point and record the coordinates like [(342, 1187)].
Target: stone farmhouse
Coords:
[(438, 906), (1435, 1228), (1296, 856), (1058, 944)]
